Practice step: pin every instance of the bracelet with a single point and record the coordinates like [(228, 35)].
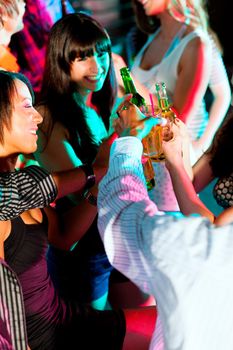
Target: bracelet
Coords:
[(90, 176), (90, 198)]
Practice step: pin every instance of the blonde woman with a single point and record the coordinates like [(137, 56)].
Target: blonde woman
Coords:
[(180, 52)]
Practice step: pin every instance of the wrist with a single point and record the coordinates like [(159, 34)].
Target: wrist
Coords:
[(90, 175), (99, 171), (175, 164), (90, 197)]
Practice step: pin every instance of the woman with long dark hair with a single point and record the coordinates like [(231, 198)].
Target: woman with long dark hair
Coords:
[(78, 95)]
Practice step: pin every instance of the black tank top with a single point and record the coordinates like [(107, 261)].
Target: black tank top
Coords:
[(25, 252), (52, 323)]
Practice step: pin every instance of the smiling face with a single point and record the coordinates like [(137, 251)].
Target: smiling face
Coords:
[(89, 72), (154, 7), (20, 135)]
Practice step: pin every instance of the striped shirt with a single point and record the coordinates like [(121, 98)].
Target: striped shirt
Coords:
[(13, 334), (186, 262), (31, 187)]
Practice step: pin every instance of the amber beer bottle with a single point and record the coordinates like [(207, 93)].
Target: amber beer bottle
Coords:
[(163, 133), (164, 104), (140, 102)]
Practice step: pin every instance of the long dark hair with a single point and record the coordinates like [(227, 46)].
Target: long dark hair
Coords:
[(7, 92), (221, 150), (72, 36)]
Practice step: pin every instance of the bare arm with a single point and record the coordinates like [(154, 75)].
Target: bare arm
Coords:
[(193, 78), (185, 193), (226, 217), (220, 88), (58, 155), (131, 123), (217, 113), (202, 173)]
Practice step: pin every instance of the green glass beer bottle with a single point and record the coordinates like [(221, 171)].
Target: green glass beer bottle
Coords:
[(140, 102), (130, 88)]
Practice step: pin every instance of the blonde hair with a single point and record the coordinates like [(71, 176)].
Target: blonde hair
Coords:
[(189, 11), (9, 8)]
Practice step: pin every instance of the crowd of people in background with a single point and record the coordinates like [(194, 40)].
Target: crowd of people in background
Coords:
[(106, 263)]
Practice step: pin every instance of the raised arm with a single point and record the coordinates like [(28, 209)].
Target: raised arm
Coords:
[(29, 188), (186, 195), (202, 173), (77, 220), (34, 187), (128, 220)]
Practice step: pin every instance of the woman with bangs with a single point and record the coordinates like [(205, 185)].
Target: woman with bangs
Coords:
[(78, 95)]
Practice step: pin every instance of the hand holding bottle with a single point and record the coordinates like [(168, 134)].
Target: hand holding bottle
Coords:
[(177, 148), (139, 101), (132, 122), (119, 102), (172, 149)]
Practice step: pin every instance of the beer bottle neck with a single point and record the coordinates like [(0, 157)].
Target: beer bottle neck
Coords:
[(163, 103), (129, 85)]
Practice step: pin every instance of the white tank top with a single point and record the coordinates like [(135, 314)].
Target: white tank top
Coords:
[(166, 71)]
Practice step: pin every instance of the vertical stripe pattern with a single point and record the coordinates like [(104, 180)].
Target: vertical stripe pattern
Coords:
[(12, 315)]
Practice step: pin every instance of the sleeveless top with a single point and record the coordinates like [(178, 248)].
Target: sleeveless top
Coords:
[(52, 323), (166, 71), (25, 252), (223, 191)]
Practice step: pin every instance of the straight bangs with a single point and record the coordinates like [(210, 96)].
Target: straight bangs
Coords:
[(95, 40), (99, 48), (73, 36)]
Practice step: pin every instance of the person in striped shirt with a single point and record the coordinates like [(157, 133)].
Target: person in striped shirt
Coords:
[(186, 262), (13, 335)]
